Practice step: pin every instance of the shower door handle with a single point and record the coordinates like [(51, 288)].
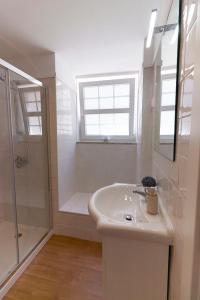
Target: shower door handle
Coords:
[(21, 162)]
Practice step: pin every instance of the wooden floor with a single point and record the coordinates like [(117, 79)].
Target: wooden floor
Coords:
[(65, 269)]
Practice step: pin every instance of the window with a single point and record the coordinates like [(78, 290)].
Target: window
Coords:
[(107, 110), (168, 100), (31, 98)]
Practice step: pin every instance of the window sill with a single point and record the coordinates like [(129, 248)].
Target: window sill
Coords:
[(107, 143), (166, 143)]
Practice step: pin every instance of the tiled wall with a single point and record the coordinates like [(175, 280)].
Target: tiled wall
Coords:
[(66, 141), (99, 165), (179, 180), (50, 83)]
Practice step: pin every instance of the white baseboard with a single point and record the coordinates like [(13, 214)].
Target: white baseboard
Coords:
[(23, 267), (85, 234)]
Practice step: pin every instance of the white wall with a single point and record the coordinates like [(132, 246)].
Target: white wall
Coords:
[(179, 180), (63, 71), (99, 165), (66, 141), (38, 66)]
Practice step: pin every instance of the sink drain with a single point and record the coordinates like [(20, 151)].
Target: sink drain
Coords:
[(128, 218)]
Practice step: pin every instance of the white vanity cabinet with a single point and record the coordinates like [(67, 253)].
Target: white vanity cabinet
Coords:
[(134, 269)]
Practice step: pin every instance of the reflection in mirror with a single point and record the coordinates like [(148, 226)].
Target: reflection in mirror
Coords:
[(166, 68), (32, 104), (28, 110)]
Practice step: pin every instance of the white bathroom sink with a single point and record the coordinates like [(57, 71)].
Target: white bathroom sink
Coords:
[(117, 202), (120, 212)]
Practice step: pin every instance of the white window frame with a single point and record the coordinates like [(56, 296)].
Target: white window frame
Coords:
[(98, 138), (27, 114)]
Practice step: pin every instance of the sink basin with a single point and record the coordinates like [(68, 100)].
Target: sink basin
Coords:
[(118, 211), (117, 203)]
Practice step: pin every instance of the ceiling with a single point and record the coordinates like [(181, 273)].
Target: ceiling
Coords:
[(92, 36)]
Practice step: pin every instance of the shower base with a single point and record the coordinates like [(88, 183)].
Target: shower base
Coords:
[(77, 204), (74, 219), (29, 237)]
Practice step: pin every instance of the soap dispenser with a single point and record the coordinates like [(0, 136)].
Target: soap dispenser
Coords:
[(152, 200), (150, 185)]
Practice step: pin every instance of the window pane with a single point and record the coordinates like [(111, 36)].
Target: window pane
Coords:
[(31, 107), (92, 119), (114, 124), (34, 120), (38, 96), (186, 126), (30, 96), (90, 92), (168, 99), (106, 119), (106, 91), (107, 124), (122, 102), (92, 130), (39, 106), (169, 86), (35, 130), (122, 124), (106, 103), (122, 89), (167, 122), (91, 103)]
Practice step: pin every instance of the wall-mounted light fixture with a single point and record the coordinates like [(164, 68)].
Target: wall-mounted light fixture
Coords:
[(151, 27)]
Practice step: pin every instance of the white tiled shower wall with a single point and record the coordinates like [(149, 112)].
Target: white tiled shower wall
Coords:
[(66, 140), (100, 164), (179, 180)]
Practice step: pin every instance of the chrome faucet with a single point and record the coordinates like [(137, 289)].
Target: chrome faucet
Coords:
[(136, 191), (146, 190)]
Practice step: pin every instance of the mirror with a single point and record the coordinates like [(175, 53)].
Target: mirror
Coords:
[(166, 84)]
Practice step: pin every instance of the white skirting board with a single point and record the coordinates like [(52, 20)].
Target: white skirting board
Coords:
[(79, 233), (23, 267)]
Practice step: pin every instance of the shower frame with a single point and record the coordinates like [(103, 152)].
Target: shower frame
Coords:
[(8, 67)]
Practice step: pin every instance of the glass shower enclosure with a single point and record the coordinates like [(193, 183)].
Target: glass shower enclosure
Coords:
[(24, 187)]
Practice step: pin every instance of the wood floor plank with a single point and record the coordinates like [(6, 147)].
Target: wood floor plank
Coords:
[(65, 269)]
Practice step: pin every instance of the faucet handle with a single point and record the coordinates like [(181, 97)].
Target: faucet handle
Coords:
[(138, 188)]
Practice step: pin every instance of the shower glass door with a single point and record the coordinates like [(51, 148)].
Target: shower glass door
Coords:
[(8, 234), (29, 136)]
